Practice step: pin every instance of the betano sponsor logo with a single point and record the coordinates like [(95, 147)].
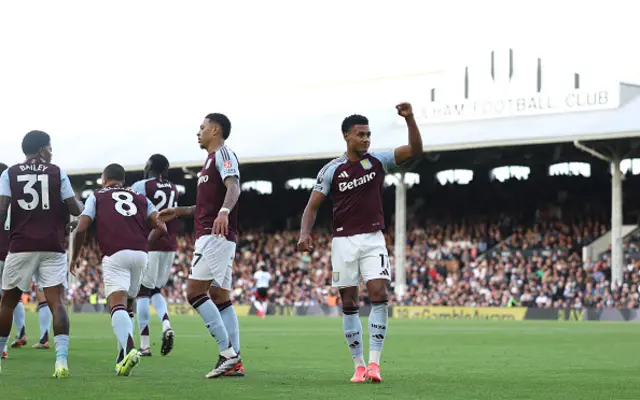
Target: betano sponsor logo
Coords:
[(203, 179), (470, 313), (344, 186)]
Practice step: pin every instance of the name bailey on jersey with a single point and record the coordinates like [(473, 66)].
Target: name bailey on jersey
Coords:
[(33, 167), (343, 186)]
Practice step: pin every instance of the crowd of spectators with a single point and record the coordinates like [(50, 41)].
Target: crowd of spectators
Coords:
[(479, 263), (538, 266)]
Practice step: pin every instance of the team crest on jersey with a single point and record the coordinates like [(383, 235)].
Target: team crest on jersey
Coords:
[(366, 164), (208, 164), (336, 276), (227, 164)]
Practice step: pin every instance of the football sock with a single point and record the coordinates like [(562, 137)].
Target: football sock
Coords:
[(18, 319), (121, 324), (353, 332), (258, 306), (378, 319), (230, 320), (62, 349), (144, 314), (160, 304), (44, 316), (132, 323), (213, 321)]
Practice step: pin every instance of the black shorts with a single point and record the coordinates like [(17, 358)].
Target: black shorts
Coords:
[(262, 293)]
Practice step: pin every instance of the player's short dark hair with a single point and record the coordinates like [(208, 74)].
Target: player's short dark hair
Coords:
[(3, 167), (34, 141), (353, 120), (114, 172), (223, 121), (159, 163)]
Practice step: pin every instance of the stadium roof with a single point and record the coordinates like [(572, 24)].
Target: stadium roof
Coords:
[(320, 137)]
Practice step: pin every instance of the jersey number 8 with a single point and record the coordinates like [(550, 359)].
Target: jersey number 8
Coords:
[(124, 199)]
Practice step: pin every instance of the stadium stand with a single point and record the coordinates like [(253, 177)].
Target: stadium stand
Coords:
[(484, 241)]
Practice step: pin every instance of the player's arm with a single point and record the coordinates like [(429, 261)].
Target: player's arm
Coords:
[(170, 213), (318, 194), (88, 215), (233, 194), (227, 166), (5, 195), (74, 205), (405, 153), (158, 228)]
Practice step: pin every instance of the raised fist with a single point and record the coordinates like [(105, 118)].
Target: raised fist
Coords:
[(404, 110)]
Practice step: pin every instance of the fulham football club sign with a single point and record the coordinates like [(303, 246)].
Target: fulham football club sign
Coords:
[(504, 86)]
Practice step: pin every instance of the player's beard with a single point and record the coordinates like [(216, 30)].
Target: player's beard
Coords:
[(362, 151)]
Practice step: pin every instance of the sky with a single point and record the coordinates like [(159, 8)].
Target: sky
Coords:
[(98, 74)]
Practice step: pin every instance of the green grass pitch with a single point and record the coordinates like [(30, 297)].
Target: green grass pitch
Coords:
[(307, 358)]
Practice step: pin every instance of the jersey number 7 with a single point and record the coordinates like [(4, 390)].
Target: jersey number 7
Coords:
[(196, 259)]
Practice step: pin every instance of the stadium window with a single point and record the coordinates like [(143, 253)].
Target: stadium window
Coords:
[(300, 183), (507, 172), (570, 169), (630, 165), (459, 176), (262, 187), (410, 179)]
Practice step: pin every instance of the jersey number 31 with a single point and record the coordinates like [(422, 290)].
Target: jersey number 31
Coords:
[(37, 199)]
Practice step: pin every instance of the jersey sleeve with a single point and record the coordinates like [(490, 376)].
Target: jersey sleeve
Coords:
[(66, 191), (324, 179), (150, 208), (5, 185), (387, 158), (90, 207), (227, 163), (140, 187)]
